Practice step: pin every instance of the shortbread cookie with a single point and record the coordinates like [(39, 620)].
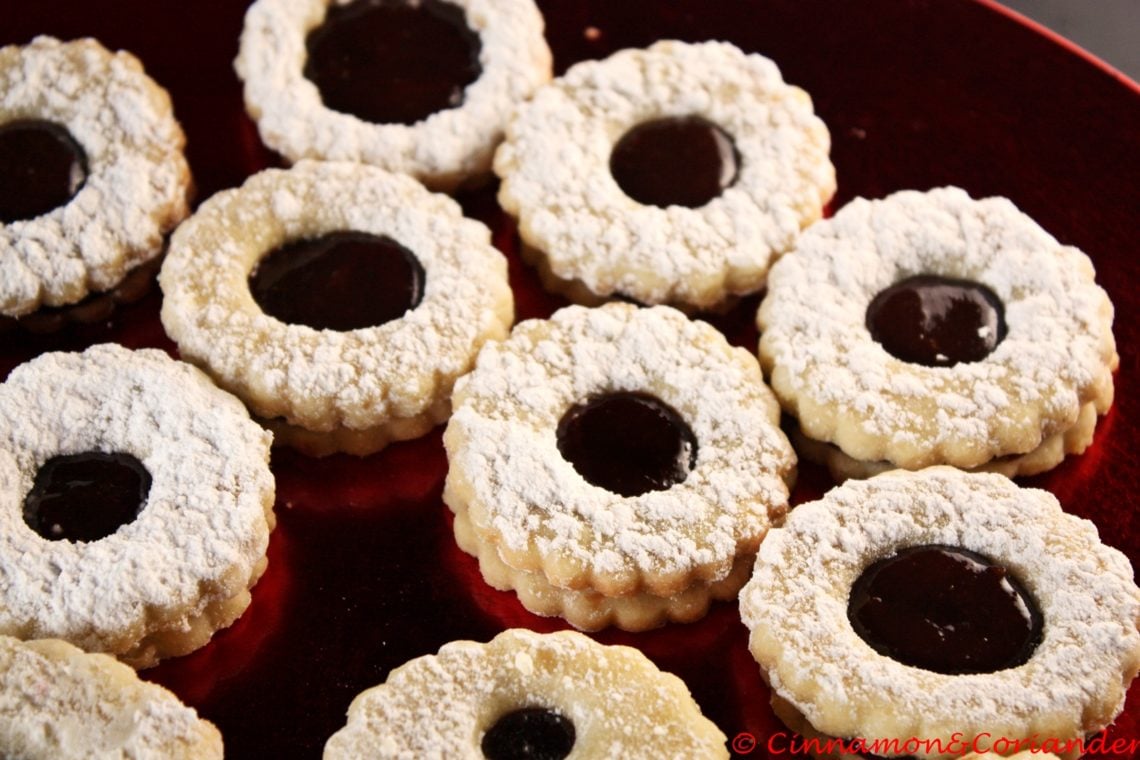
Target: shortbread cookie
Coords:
[(670, 175), (615, 465), (941, 604), (930, 328), (422, 87), (59, 703), (136, 503), (339, 301), (558, 695), (92, 173)]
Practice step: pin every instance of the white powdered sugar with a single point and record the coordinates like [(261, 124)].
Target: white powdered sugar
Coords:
[(369, 379), (59, 703), (440, 706), (1072, 685), (161, 584), (137, 178), (555, 166), (845, 388), (442, 150), (540, 514)]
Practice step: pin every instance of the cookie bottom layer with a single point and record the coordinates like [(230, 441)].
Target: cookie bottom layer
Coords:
[(345, 440), (194, 630), (588, 610), (1050, 453)]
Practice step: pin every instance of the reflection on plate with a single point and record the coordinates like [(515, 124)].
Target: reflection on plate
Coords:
[(364, 573)]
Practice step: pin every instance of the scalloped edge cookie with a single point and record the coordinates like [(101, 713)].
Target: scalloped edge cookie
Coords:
[(571, 542), (845, 389), (593, 241), (138, 182), (60, 703), (324, 390), (439, 706), (442, 151), (796, 603), (163, 584)]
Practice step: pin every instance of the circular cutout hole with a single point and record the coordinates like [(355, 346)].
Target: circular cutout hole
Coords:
[(87, 496), (340, 281), (945, 609), (42, 167), (627, 443), (532, 733), (675, 161), (393, 61), (937, 321)]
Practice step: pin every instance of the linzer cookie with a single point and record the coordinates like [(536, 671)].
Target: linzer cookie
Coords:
[(59, 703), (530, 695), (669, 175), (339, 301), (616, 465), (136, 503), (930, 328), (421, 87), (941, 607), (92, 176)]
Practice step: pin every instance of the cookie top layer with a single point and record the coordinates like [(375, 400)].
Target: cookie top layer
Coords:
[(442, 149), (538, 510), (555, 166), (845, 388), (59, 703), (322, 379), (201, 534), (442, 706), (796, 606), (137, 177)]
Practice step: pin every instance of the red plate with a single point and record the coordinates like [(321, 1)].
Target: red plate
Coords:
[(364, 573)]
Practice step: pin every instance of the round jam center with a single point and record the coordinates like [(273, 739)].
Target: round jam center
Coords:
[(627, 443), (340, 281), (945, 609), (393, 61), (533, 733), (86, 497), (42, 167), (676, 161), (937, 321)]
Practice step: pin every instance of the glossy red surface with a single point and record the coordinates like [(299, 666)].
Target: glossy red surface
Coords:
[(364, 573)]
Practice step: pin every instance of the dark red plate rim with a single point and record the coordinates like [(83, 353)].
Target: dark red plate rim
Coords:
[(364, 573)]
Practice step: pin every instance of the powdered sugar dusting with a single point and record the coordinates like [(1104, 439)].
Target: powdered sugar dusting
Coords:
[(845, 388), (557, 181), (197, 545), (796, 607), (441, 150), (137, 184), (529, 502), (440, 706), (56, 701)]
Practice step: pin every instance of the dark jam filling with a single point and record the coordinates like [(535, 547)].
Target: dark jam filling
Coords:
[(627, 443), (675, 161), (393, 61), (42, 167), (340, 281), (533, 733), (937, 321), (86, 497), (945, 609)]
